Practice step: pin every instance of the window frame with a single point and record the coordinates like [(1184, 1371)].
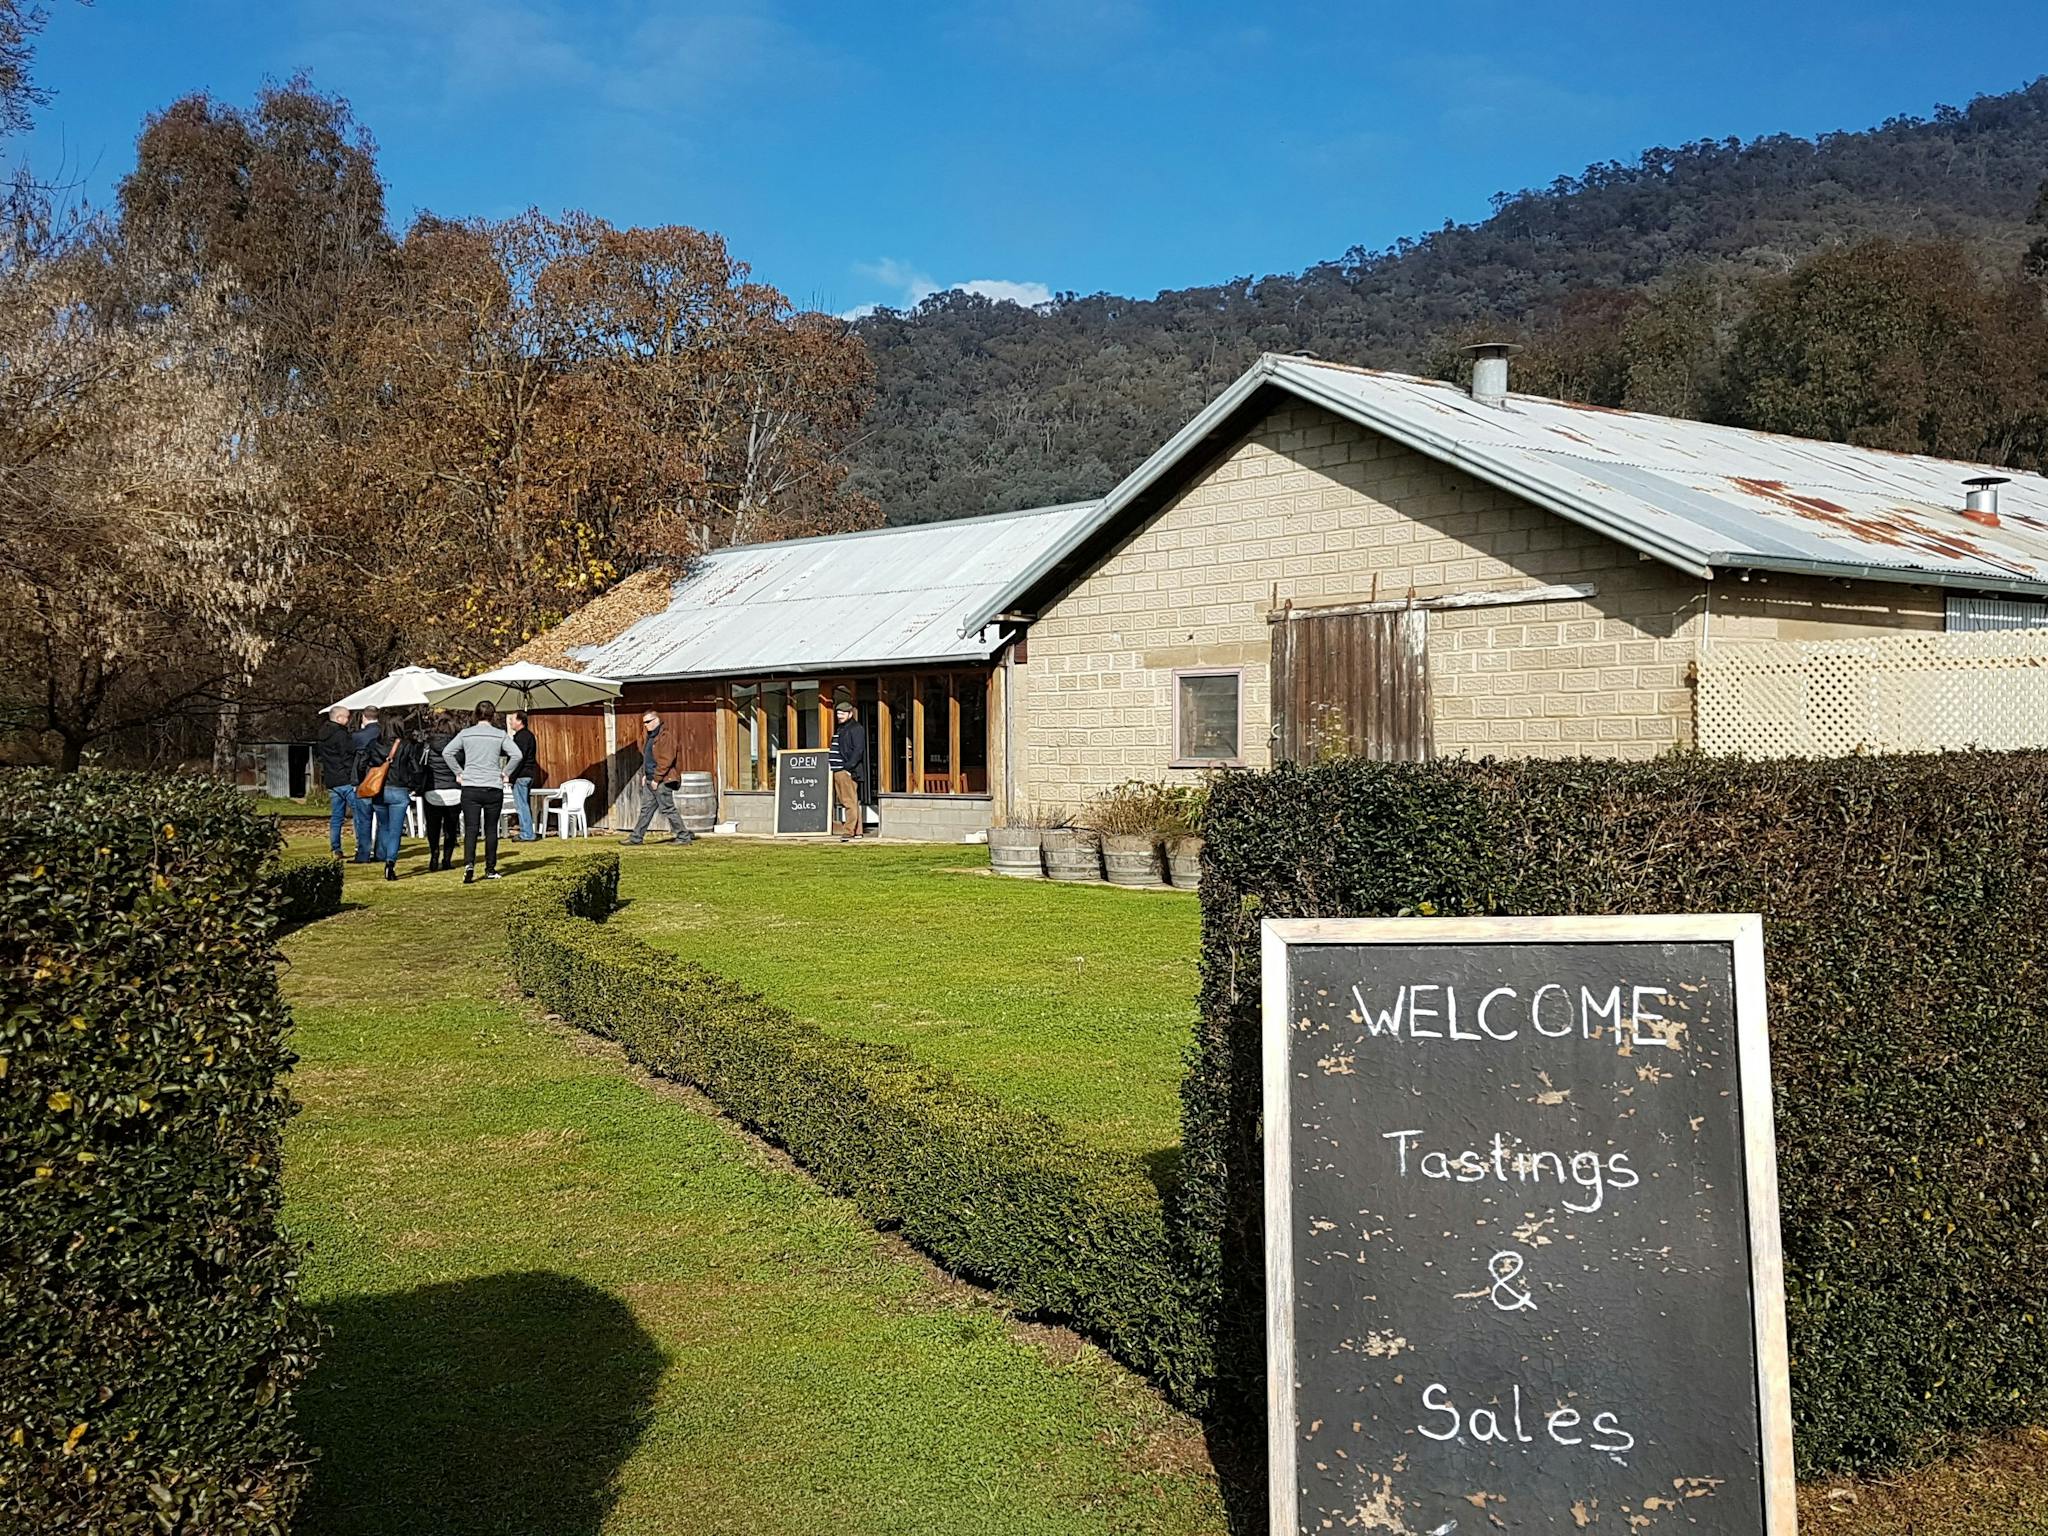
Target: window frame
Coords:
[(1236, 759)]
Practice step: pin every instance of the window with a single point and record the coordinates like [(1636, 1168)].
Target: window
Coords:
[(1207, 719), (973, 732), (897, 744), (745, 771), (936, 716), (928, 731), (804, 696)]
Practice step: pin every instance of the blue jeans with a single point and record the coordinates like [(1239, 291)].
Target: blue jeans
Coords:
[(391, 808), (522, 802), (341, 805), (364, 810)]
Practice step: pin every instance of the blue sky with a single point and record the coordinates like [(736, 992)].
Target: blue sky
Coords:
[(866, 153)]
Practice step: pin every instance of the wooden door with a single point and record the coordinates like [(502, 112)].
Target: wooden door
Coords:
[(571, 746), (1351, 685)]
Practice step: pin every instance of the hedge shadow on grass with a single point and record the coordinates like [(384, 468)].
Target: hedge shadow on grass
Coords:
[(485, 1407)]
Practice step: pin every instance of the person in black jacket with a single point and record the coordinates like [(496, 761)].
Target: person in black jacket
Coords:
[(405, 773), (442, 796), (527, 775), (849, 768), (335, 749), (384, 742), (368, 742)]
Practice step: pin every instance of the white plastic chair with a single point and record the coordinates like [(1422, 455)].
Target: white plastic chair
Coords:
[(415, 817), (567, 811)]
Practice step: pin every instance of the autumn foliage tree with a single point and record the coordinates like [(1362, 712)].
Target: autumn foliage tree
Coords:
[(482, 424), (551, 403), (144, 536)]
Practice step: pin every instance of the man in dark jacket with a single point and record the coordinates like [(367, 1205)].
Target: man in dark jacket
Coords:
[(526, 775), (336, 751), (849, 769), (661, 770)]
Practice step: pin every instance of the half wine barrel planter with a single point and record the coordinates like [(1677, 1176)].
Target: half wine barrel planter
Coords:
[(697, 801), (1071, 854), (1014, 851), (1132, 858), (1184, 860)]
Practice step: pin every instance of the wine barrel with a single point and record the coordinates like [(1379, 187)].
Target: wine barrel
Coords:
[(1072, 855), (1014, 851), (697, 801), (1131, 860)]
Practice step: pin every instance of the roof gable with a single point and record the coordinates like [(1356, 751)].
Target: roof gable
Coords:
[(1698, 497)]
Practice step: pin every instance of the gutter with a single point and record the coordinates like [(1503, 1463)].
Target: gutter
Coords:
[(1891, 575), (799, 669)]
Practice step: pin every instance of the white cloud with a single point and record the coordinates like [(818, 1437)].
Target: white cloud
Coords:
[(911, 286), (1002, 290)]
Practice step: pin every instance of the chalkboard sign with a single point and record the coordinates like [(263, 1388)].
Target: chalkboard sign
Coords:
[(1522, 1253), (803, 792)]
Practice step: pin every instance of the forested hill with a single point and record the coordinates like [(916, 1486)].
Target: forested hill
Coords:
[(984, 406)]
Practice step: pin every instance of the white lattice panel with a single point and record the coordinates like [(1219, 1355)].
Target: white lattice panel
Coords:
[(1905, 693)]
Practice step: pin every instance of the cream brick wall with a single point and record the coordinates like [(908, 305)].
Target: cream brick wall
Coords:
[(1311, 508)]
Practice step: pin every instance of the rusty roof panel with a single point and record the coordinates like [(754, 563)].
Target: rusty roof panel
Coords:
[(887, 597)]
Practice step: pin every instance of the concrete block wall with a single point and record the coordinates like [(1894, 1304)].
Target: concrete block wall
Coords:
[(924, 818), (1311, 508)]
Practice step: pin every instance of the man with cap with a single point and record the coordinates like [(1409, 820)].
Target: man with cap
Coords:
[(849, 767), (661, 771)]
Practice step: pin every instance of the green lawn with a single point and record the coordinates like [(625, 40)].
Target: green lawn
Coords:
[(1077, 1000), (565, 1302)]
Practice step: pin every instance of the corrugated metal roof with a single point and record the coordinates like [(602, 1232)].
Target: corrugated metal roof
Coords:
[(885, 597), (1696, 496)]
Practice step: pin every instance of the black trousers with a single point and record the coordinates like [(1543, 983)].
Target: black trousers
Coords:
[(444, 825), (481, 809)]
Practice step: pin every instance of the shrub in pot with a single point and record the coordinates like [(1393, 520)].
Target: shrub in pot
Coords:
[(1015, 850)]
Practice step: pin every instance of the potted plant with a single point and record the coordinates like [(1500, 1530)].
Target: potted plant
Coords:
[(1071, 852), (1181, 828), (1015, 849), (1128, 819)]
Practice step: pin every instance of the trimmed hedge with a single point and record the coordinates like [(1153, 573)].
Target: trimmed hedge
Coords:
[(1906, 943), (308, 886), (150, 1332), (994, 1193)]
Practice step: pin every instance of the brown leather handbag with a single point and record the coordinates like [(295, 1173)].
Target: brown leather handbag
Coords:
[(373, 781)]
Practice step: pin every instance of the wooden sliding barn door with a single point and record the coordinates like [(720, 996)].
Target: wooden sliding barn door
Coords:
[(1351, 685)]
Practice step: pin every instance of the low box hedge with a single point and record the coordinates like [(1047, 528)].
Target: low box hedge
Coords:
[(996, 1194), (307, 886), (150, 1332), (1905, 903)]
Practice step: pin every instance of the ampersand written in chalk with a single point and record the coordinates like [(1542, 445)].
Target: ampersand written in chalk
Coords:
[(1505, 1267)]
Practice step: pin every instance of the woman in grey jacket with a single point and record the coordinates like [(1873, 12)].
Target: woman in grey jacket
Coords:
[(482, 756)]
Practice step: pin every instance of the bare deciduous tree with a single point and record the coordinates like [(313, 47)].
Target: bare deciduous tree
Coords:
[(143, 537)]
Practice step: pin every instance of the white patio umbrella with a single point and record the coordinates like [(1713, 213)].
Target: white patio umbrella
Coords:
[(405, 688), (524, 685)]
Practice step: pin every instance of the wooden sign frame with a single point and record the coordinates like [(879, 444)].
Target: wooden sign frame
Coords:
[(1743, 934), (824, 756)]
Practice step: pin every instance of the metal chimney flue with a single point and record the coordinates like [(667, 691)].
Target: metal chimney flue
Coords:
[(1490, 371), (1980, 499)]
